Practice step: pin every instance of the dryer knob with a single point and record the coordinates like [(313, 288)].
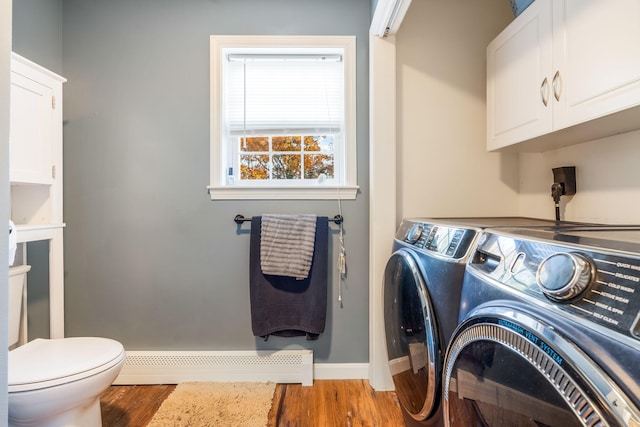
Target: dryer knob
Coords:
[(564, 276), (414, 233)]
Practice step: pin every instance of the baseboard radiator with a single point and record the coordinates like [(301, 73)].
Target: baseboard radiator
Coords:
[(174, 367)]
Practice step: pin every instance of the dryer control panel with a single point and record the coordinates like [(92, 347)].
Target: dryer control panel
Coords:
[(595, 284), (444, 240)]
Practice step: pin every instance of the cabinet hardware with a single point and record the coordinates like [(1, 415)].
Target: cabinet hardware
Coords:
[(557, 85), (53, 171), (544, 91), (53, 102)]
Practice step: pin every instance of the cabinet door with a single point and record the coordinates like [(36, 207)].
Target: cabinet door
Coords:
[(31, 130), (596, 53), (518, 78)]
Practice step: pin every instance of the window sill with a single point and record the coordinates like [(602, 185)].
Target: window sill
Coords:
[(344, 192)]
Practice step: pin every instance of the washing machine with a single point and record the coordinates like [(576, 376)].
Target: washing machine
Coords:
[(422, 284), (549, 331)]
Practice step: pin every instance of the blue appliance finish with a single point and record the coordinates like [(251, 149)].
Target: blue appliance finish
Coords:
[(549, 331), (422, 285)]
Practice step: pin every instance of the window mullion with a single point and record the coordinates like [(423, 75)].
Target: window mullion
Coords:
[(302, 151), (271, 157)]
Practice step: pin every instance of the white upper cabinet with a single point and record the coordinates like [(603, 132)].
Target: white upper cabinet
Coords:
[(35, 122), (35, 147), (564, 72)]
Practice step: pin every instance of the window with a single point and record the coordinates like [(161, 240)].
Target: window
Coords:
[(283, 117)]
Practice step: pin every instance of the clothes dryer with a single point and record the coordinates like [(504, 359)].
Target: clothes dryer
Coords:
[(549, 332)]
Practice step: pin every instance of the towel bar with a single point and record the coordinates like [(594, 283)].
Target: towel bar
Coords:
[(239, 219)]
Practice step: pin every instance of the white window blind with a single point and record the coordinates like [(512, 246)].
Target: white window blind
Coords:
[(284, 94)]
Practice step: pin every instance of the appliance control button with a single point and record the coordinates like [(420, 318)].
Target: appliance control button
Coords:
[(517, 262), (564, 276), (451, 249), (414, 233)]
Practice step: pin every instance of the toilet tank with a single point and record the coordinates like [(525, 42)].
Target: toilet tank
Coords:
[(17, 277)]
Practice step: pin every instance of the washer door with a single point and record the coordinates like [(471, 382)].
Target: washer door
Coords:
[(505, 368), (411, 332)]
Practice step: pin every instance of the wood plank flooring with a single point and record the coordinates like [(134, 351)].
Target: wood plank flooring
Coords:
[(132, 406), (328, 403), (351, 403)]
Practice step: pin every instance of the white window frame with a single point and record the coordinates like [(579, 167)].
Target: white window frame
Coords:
[(219, 189)]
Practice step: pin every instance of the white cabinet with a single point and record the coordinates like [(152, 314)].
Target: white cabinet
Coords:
[(35, 170), (34, 121), (564, 72), (35, 144)]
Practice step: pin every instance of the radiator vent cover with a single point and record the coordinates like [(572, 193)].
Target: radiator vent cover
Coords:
[(173, 367)]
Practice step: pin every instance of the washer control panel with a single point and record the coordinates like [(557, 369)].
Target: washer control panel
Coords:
[(447, 241), (593, 284)]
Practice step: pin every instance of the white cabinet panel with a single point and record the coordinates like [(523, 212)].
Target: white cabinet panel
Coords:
[(597, 52), (518, 63), (31, 135)]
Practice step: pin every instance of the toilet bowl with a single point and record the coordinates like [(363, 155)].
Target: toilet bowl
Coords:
[(56, 382)]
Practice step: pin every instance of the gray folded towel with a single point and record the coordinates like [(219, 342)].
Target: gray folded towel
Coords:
[(287, 244)]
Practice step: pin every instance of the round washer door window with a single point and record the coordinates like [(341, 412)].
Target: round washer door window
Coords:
[(512, 370), (411, 332)]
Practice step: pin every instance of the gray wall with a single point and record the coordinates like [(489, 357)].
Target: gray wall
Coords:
[(150, 260), (37, 32)]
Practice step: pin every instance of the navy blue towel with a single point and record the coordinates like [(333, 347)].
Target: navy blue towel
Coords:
[(284, 306)]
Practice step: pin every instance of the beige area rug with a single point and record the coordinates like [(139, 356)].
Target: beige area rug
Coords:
[(216, 404)]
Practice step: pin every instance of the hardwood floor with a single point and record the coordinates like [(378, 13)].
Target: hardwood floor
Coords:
[(132, 406), (328, 403), (351, 403)]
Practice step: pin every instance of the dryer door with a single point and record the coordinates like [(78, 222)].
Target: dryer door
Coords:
[(411, 332), (506, 368)]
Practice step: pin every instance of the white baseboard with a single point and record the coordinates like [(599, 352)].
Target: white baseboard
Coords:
[(340, 371), (284, 366)]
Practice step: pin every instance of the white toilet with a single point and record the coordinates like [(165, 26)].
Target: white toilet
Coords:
[(56, 382)]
